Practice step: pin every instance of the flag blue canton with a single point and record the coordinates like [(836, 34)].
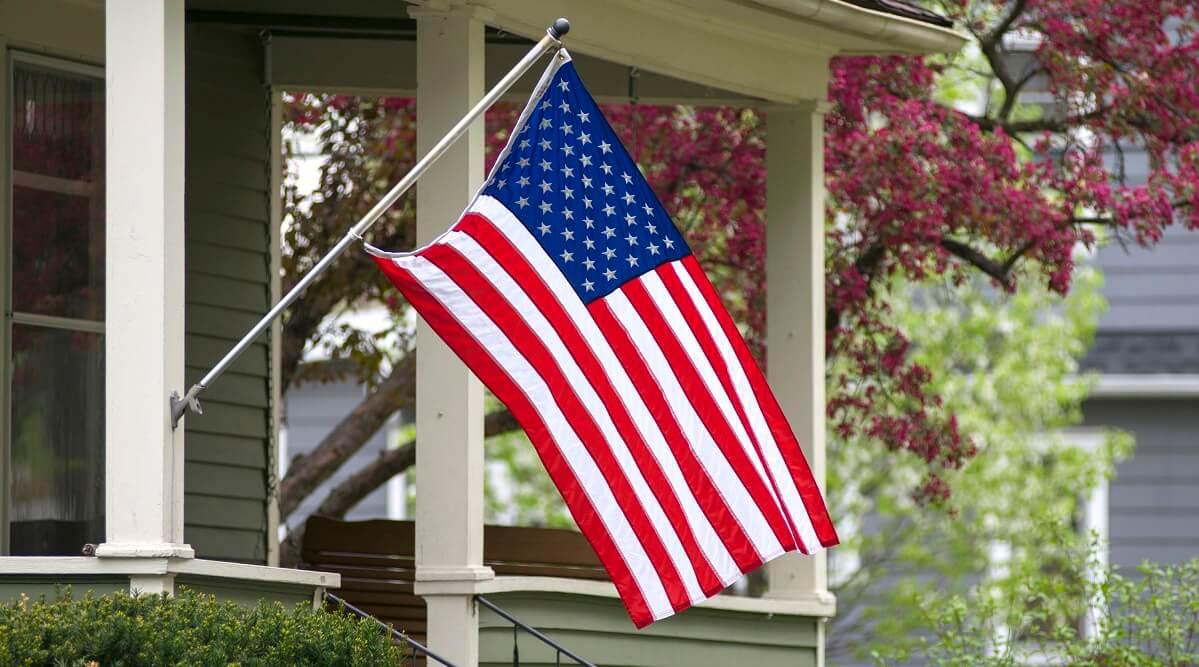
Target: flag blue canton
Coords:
[(572, 184)]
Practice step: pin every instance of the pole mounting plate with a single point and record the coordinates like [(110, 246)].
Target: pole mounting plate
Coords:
[(179, 406)]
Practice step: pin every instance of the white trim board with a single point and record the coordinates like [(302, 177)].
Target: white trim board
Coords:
[(1147, 385), (66, 565), (605, 589)]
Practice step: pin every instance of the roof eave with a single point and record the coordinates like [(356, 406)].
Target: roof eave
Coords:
[(887, 33)]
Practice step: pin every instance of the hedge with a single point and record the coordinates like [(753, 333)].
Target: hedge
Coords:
[(122, 630)]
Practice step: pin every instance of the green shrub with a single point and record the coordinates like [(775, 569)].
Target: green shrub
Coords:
[(189, 629)]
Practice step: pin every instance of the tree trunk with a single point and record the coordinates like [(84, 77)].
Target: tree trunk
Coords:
[(350, 492), (390, 463)]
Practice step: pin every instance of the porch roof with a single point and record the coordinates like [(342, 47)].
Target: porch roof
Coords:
[(703, 51), (902, 8)]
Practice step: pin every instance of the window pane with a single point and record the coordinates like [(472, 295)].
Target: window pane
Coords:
[(57, 441), (58, 193)]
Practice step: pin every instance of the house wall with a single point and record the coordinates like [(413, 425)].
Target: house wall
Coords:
[(598, 629), (1152, 289), (312, 410), (1152, 324), (1151, 328), (227, 254), (1153, 509), (228, 463)]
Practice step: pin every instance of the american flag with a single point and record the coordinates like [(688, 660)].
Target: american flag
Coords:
[(568, 291)]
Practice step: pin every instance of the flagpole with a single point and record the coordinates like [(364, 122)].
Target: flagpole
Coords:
[(551, 41)]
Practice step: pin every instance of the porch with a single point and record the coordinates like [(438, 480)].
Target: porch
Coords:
[(185, 207), (552, 580)]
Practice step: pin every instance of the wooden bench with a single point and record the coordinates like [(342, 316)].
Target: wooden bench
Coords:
[(377, 567)]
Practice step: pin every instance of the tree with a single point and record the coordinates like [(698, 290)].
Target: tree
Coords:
[(920, 190), (1016, 389)]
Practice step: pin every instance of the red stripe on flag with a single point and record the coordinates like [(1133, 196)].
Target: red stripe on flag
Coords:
[(711, 500), (703, 336), (501, 249), (529, 344), (784, 435), (706, 407), (497, 380)]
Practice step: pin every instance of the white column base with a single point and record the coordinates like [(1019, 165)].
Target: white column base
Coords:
[(453, 627), (453, 615), (144, 550), (152, 584)]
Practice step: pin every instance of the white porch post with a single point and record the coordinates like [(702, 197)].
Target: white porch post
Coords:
[(449, 406), (795, 308), (144, 274)]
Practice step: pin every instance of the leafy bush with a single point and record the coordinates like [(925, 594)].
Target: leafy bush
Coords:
[(1079, 615), (189, 629)]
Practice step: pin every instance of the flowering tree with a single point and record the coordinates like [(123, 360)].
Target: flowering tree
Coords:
[(936, 172)]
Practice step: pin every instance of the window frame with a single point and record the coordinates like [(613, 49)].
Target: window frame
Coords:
[(11, 57)]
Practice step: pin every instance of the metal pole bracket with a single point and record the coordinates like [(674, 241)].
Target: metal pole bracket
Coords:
[(180, 405)]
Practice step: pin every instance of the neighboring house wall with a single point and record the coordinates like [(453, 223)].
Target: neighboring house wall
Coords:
[(1154, 294), (1153, 507), (311, 411), (228, 289), (1151, 330)]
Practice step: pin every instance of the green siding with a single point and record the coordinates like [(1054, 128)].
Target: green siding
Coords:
[(248, 594), (242, 591), (35, 586), (599, 630), (228, 288)]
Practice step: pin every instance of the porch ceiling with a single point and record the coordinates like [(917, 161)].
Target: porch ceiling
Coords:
[(771, 49), (696, 51)]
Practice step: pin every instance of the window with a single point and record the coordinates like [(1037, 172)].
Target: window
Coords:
[(54, 306)]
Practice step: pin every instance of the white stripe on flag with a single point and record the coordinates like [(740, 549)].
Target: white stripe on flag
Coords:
[(774, 459), (747, 511), (493, 339), (670, 312), (584, 390)]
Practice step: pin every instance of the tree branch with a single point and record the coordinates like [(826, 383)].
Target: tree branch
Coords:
[(991, 45), (995, 37), (1047, 124), (343, 497), (1001, 272), (866, 265)]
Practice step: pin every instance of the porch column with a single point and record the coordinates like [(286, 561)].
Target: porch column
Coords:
[(144, 273), (449, 406), (795, 308)]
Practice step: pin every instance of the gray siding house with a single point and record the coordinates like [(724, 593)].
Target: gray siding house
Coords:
[(1147, 350)]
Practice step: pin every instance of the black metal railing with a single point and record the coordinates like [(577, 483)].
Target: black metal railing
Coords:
[(415, 647), (518, 625)]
